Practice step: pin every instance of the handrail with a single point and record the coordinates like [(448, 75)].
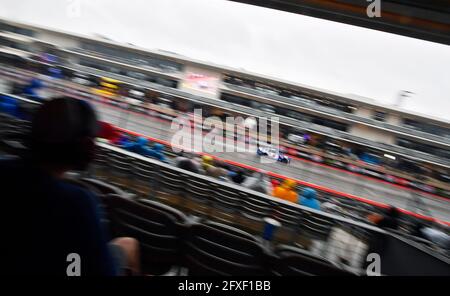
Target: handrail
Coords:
[(270, 199)]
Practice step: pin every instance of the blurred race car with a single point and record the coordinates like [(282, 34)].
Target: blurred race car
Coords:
[(273, 153)]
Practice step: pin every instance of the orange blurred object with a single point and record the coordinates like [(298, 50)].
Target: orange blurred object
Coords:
[(286, 191)]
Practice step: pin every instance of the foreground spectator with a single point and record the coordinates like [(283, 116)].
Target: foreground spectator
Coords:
[(286, 191), (309, 199), (45, 218)]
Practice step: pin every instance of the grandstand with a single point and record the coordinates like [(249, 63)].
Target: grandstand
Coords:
[(138, 192)]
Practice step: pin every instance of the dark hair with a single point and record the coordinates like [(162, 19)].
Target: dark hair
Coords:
[(59, 132), (392, 212), (188, 164), (239, 177)]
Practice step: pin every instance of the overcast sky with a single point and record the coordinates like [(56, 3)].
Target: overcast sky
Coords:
[(297, 48)]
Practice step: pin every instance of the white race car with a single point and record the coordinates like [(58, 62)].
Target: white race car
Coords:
[(273, 153)]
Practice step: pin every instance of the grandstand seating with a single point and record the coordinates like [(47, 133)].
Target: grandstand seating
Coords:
[(158, 229), (294, 261), (168, 238), (217, 249)]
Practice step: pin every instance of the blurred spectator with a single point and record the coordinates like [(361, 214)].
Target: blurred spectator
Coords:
[(187, 163), (237, 176), (286, 191), (437, 236), (141, 147), (331, 207), (274, 183), (309, 199), (123, 140), (30, 91), (207, 162), (216, 172), (9, 105), (46, 218), (157, 151), (256, 182), (55, 73), (388, 220)]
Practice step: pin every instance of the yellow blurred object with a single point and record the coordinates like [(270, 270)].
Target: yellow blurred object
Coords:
[(110, 80), (108, 85), (207, 161), (289, 183), (102, 92)]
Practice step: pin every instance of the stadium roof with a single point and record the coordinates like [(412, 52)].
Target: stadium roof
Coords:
[(422, 19)]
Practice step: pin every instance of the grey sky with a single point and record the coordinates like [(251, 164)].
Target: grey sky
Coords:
[(311, 51)]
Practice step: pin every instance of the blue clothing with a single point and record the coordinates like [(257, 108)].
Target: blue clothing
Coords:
[(44, 220), (55, 73), (157, 152), (309, 199), (123, 141), (30, 90), (9, 105), (140, 147)]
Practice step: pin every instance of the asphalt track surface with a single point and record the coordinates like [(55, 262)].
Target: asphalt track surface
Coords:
[(338, 180)]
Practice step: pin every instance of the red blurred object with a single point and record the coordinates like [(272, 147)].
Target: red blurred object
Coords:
[(274, 183), (108, 131), (292, 151)]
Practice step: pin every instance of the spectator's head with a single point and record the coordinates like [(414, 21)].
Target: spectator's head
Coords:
[(141, 141), (207, 161), (63, 134), (392, 212), (309, 193), (180, 153), (158, 147), (239, 177), (189, 165)]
